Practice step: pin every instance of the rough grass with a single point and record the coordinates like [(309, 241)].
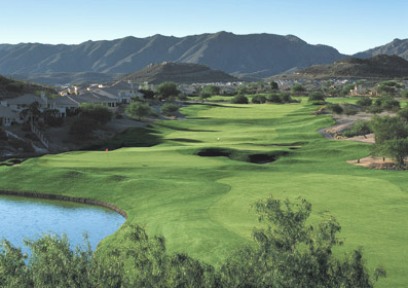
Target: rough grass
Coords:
[(202, 205)]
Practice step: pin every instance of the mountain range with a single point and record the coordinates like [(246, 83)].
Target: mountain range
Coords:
[(179, 73), (253, 56), (377, 67)]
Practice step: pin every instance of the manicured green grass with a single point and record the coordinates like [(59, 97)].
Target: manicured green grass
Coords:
[(202, 205)]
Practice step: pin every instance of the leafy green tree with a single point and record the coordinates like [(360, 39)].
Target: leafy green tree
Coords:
[(208, 91), (54, 264), (316, 97), (391, 138), (403, 113), (291, 253), (167, 90), (274, 86), (298, 89), (360, 127), (258, 99), (239, 99), (147, 94), (138, 110), (388, 128), (13, 268), (170, 109), (364, 101), (336, 108), (98, 113), (390, 88)]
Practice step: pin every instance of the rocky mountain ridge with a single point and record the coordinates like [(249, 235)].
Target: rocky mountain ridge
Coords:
[(260, 55)]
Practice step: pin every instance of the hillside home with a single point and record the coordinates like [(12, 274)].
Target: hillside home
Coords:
[(95, 98), (63, 105), (23, 102), (126, 90)]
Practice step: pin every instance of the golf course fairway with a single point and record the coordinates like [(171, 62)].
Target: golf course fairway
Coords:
[(198, 186)]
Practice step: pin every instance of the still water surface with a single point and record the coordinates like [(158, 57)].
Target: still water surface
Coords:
[(22, 218)]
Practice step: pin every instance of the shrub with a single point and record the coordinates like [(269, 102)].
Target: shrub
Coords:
[(83, 127), (275, 98), (138, 110), (390, 104), (239, 99), (360, 127), (258, 99), (169, 109), (335, 108), (364, 101), (98, 113), (316, 97)]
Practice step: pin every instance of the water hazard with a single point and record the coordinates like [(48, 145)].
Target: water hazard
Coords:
[(23, 218)]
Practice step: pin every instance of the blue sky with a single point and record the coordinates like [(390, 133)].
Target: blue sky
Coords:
[(349, 25)]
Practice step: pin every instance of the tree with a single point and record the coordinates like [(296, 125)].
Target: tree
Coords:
[(391, 138), (167, 90), (239, 99), (364, 101), (291, 253), (98, 113), (397, 149), (208, 91), (258, 99), (274, 86), (147, 94), (388, 128), (138, 110), (316, 97), (298, 89), (169, 109)]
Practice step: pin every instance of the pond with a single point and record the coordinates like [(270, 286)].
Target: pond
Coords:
[(26, 218)]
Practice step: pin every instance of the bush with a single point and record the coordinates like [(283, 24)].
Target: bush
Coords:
[(258, 99), (83, 127), (316, 97), (138, 110), (275, 98), (239, 99), (98, 113), (364, 101), (281, 98), (390, 104), (169, 109), (360, 127), (335, 108)]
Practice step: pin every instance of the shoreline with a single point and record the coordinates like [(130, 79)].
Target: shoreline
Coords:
[(56, 197)]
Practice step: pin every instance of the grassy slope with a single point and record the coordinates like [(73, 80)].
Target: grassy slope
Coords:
[(203, 204)]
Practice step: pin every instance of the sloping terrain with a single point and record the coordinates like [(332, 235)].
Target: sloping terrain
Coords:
[(398, 47), (179, 73), (258, 54), (11, 88), (381, 66)]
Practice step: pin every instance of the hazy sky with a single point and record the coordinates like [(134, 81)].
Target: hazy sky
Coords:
[(349, 25)]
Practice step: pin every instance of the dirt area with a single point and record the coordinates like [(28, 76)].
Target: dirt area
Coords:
[(374, 163), (344, 122)]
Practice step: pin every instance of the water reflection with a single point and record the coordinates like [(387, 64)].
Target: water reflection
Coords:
[(22, 218)]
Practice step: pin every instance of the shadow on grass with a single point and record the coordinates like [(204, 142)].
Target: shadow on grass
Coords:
[(131, 137)]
